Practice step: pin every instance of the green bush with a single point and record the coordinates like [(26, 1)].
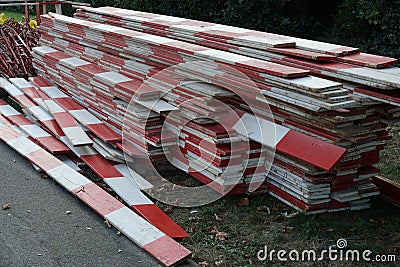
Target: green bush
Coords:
[(290, 17), (372, 24)]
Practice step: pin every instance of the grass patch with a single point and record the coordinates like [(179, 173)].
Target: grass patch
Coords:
[(390, 164), (16, 16), (225, 233)]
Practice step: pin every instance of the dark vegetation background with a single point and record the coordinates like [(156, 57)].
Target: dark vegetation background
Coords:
[(372, 25)]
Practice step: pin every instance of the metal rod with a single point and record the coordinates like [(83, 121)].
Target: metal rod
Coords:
[(26, 12), (38, 13)]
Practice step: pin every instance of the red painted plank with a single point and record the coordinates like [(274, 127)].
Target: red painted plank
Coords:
[(302, 53), (164, 247), (43, 160), (101, 166), (368, 60), (309, 149), (160, 220), (106, 134), (98, 199)]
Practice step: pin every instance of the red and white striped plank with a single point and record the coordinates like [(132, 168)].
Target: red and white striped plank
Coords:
[(82, 115), (361, 59), (134, 177), (303, 54), (203, 33), (192, 27), (368, 60), (71, 128), (222, 33), (298, 145), (297, 84), (145, 235), (391, 97), (110, 78), (128, 191), (40, 136), (16, 94), (175, 47), (326, 48), (29, 90), (347, 72), (45, 118)]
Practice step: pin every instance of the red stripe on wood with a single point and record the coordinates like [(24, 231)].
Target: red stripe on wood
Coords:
[(166, 250), (98, 199), (40, 82), (159, 219), (53, 145), (309, 149), (43, 160), (53, 127), (302, 53), (101, 166), (368, 60), (24, 101), (65, 120), (19, 120), (68, 103), (7, 135), (105, 133)]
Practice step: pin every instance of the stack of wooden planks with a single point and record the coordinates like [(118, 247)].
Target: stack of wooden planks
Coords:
[(104, 68)]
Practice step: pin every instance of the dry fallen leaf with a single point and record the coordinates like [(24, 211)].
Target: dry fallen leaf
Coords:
[(264, 208), (219, 263), (203, 264), (278, 206), (221, 235), (167, 210), (244, 202), (108, 223), (288, 229), (7, 206), (213, 230)]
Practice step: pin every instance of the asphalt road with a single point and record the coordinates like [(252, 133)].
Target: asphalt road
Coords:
[(36, 231)]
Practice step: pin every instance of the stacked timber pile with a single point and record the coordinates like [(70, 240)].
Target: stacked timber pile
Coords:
[(16, 42), (103, 66), (239, 110), (369, 77)]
